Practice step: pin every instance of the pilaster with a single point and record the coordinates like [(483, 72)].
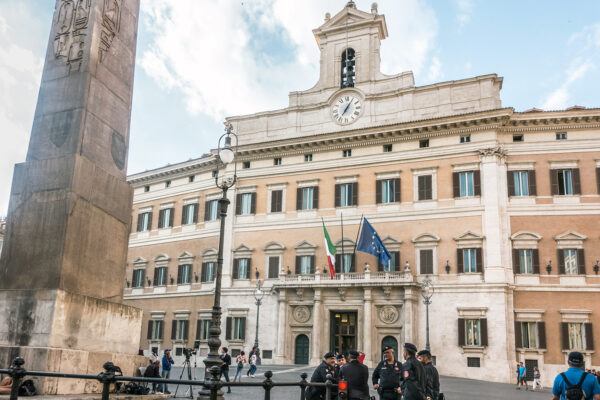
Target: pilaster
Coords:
[(281, 327), (317, 329), (367, 327)]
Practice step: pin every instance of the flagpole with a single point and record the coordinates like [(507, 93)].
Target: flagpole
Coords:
[(358, 234), (342, 257)]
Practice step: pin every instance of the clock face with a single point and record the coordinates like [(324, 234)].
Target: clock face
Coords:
[(346, 109)]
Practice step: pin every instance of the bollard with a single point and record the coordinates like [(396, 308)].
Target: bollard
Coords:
[(328, 384), (107, 377), (215, 382), (303, 385), (16, 372), (268, 384)]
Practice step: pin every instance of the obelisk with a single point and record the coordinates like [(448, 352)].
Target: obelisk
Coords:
[(63, 262)]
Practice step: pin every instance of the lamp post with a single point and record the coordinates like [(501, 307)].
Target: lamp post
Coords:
[(225, 155), (258, 296), (427, 293)]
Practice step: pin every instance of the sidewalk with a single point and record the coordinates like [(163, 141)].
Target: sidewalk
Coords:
[(97, 396)]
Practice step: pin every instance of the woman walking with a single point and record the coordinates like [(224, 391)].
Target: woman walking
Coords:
[(253, 364), (240, 361), (537, 379)]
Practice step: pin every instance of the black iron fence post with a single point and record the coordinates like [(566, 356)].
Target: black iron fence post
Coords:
[(328, 385), (107, 377), (268, 384), (16, 372), (215, 382), (303, 385)]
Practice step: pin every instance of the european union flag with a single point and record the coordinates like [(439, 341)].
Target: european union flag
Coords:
[(371, 243)]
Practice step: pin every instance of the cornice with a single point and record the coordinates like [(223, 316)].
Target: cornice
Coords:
[(553, 120), (201, 164)]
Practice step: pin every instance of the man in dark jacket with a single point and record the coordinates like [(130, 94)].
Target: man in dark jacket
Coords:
[(387, 376), (357, 376), (226, 358), (413, 375), (327, 367), (432, 390), (153, 371)]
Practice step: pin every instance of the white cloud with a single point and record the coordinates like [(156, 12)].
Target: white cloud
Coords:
[(465, 10)]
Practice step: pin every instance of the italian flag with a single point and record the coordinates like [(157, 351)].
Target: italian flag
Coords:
[(330, 248)]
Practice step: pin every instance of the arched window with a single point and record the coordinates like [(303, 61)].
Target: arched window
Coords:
[(348, 72)]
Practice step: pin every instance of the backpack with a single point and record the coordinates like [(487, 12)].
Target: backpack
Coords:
[(27, 388), (574, 392)]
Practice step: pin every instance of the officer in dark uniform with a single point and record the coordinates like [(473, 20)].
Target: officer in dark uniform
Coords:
[(357, 376), (432, 391), (413, 375), (340, 360), (387, 376), (327, 367)]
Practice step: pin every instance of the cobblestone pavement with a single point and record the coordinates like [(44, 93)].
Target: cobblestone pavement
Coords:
[(453, 388)]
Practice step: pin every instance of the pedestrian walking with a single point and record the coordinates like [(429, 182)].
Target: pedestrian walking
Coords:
[(413, 375), (167, 361), (252, 362), (522, 376), (357, 376), (537, 380), (575, 383), (250, 358), (226, 359), (240, 361), (327, 367), (387, 375), (432, 387)]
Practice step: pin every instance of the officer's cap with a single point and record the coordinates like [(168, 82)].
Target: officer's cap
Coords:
[(576, 358), (329, 354), (339, 356), (411, 348), (386, 348), (424, 353), (353, 354)]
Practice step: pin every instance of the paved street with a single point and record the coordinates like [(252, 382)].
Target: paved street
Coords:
[(453, 388)]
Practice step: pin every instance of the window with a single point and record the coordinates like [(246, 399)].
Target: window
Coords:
[(180, 329), (191, 178), (394, 263), (345, 194), (347, 68), (277, 161), (215, 173), (472, 332), (561, 136), (466, 184), (235, 328), (469, 260), (473, 362), (423, 143), (570, 261), (565, 181), (211, 210), (307, 201), (346, 264), (426, 262), (144, 221), (517, 138), (305, 264), (529, 335), (160, 276), (208, 272), (347, 153), (472, 329), (526, 261), (387, 148), (165, 218), (387, 191), (155, 329), (202, 329), (276, 200), (465, 138), (307, 157), (168, 184), (189, 214), (138, 278), (246, 207), (521, 183), (273, 267), (425, 187), (565, 185), (184, 273), (246, 164), (241, 268), (576, 336), (146, 188)]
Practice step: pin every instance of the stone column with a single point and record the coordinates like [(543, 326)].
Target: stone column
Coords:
[(410, 315), (367, 327), (317, 330), (282, 335)]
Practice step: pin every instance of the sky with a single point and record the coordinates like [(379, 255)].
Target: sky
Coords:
[(199, 61)]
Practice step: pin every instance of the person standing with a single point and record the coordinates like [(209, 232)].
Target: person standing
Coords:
[(537, 380), (432, 388), (413, 375), (357, 376), (387, 375), (153, 371), (240, 361), (167, 361), (574, 383), (253, 358), (250, 358), (226, 359), (522, 376), (327, 367)]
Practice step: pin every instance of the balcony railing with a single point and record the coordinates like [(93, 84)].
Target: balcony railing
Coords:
[(350, 277)]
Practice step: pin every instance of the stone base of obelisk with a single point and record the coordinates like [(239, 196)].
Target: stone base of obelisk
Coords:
[(59, 331)]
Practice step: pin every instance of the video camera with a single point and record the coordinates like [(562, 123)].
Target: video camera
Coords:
[(192, 352)]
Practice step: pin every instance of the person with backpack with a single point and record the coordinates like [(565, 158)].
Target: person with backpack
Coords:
[(575, 383), (537, 380), (240, 361)]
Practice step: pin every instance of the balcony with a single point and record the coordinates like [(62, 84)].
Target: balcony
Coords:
[(366, 278)]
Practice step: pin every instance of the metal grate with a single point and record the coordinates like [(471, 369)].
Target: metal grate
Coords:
[(267, 354), (473, 362)]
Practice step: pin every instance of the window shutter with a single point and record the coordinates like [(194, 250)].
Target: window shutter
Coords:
[(276, 200), (338, 263), (186, 325), (248, 269), (203, 272), (589, 336), (171, 216), (179, 274), (354, 193), (510, 181), (564, 330), (461, 332), (535, 255), (238, 204), (236, 268), (337, 195), (353, 263), (149, 221), (377, 192), (460, 267), (598, 179), (173, 329), (316, 197), (518, 335), (273, 267), (161, 218), (243, 328), (184, 212), (576, 181), (161, 328), (380, 267), (396, 257), (150, 326), (206, 210), (561, 261), (253, 204), (299, 199), (541, 328), (298, 264), (228, 326), (484, 332), (312, 264), (198, 328), (477, 183), (456, 184), (580, 262), (397, 191), (155, 280), (479, 260), (195, 216), (139, 223), (554, 182), (532, 182), (516, 261)]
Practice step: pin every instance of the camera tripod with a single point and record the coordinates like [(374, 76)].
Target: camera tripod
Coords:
[(187, 365)]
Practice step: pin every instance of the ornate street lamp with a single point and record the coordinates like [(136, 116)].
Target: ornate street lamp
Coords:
[(258, 296), (225, 155), (427, 290)]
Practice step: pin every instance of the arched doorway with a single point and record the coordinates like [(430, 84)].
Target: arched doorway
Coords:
[(301, 352), (393, 343)]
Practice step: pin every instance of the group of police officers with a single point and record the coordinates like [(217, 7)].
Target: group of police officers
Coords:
[(415, 379)]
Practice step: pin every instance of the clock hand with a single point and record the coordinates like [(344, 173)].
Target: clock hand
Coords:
[(346, 109)]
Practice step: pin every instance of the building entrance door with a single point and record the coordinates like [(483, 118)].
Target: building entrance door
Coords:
[(301, 350), (390, 341), (343, 331)]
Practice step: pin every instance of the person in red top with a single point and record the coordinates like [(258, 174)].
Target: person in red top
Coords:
[(361, 357)]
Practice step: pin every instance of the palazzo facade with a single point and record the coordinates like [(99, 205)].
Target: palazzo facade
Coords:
[(499, 208)]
